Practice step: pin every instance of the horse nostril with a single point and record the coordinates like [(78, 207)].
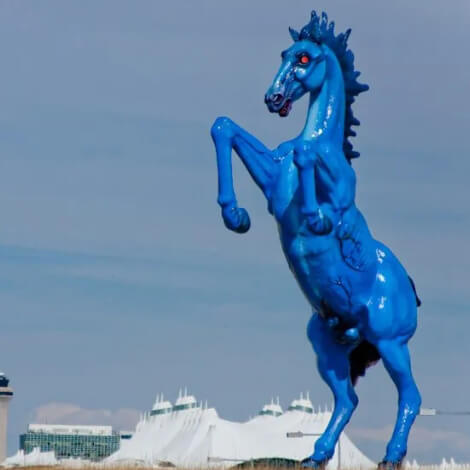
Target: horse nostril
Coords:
[(277, 98)]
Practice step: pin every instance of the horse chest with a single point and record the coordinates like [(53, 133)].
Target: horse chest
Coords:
[(285, 198), (312, 259)]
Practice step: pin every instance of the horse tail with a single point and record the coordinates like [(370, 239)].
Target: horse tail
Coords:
[(418, 300), (361, 358)]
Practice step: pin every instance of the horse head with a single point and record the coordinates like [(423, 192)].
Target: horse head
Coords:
[(303, 69), (317, 54)]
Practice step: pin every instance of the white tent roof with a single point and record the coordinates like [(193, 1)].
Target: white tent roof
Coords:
[(161, 404), (34, 458), (198, 437), (272, 408)]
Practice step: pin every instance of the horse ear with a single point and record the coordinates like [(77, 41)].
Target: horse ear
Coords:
[(295, 35)]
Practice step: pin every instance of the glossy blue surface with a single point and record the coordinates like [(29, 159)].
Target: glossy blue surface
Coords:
[(364, 303)]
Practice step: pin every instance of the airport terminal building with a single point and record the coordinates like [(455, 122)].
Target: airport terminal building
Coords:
[(189, 434), (85, 442)]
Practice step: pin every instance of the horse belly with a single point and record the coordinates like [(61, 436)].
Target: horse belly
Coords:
[(315, 260), (392, 310)]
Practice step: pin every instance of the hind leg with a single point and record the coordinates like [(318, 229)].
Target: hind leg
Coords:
[(396, 359), (333, 365)]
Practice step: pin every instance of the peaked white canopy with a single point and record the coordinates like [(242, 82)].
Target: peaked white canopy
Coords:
[(198, 437)]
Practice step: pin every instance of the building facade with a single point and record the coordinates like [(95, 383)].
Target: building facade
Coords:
[(6, 394), (85, 442)]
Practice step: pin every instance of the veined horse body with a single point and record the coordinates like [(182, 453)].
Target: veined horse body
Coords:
[(363, 301)]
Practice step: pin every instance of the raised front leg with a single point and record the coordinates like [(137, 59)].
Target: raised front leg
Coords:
[(396, 359), (305, 157), (256, 157), (333, 365)]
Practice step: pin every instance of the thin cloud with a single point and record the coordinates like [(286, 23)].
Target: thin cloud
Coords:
[(69, 413)]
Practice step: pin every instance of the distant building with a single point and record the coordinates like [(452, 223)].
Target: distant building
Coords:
[(191, 435), (85, 442), (6, 394)]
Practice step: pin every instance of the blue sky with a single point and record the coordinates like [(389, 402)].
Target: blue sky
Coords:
[(118, 279)]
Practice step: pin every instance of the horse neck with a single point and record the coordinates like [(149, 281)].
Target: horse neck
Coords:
[(325, 116)]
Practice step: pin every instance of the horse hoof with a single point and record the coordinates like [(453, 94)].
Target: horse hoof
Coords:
[(319, 223), (236, 219), (310, 463), (387, 465)]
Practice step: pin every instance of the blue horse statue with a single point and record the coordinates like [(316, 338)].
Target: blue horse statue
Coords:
[(364, 303)]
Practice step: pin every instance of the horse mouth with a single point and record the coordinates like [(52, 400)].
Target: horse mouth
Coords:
[(278, 103), (286, 107)]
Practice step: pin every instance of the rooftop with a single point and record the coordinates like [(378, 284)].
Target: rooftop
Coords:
[(185, 401), (71, 429), (271, 409), (161, 406), (302, 404)]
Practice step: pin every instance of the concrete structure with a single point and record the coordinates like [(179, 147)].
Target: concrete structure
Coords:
[(6, 394)]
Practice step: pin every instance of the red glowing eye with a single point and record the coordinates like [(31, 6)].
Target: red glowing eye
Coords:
[(304, 59)]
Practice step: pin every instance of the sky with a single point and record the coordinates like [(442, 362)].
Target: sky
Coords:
[(119, 281)]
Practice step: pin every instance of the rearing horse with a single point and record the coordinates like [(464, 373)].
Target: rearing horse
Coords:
[(363, 301)]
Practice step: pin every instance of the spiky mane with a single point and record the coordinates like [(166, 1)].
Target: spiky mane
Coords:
[(320, 31)]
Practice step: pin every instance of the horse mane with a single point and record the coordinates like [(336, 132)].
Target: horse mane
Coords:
[(320, 31)]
